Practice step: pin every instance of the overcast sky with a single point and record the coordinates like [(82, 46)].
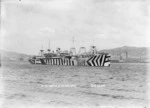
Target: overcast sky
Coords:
[(26, 25)]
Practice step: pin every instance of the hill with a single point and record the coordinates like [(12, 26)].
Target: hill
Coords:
[(9, 55), (128, 53)]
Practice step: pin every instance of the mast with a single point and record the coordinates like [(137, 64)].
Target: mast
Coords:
[(73, 41), (93, 42), (49, 44), (48, 47), (73, 49), (41, 51)]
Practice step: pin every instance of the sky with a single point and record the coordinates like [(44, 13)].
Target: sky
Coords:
[(28, 25)]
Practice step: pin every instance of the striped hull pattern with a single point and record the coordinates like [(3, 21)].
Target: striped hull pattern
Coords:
[(95, 60), (32, 61), (99, 60), (58, 61)]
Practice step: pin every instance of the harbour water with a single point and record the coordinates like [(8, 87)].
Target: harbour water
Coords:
[(24, 85)]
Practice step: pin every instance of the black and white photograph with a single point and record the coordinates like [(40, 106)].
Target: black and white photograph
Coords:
[(74, 53)]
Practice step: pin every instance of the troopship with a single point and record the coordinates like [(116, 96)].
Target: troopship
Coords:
[(71, 58), (82, 58)]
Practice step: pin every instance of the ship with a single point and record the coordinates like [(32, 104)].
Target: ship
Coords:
[(71, 58)]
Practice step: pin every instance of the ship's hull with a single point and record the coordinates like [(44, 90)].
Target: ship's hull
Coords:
[(95, 60)]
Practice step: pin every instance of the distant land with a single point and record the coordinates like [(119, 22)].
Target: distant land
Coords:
[(9, 55), (124, 54), (129, 54)]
